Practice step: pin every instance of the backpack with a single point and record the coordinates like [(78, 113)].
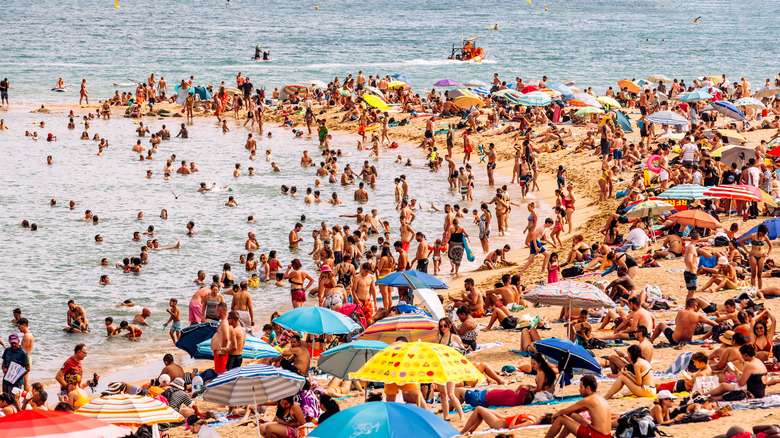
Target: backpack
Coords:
[(695, 417), (631, 424), (572, 271)]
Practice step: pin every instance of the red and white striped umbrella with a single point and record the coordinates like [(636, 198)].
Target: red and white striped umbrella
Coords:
[(732, 192)]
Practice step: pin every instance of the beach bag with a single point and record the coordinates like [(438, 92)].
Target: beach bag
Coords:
[(695, 417), (660, 305), (637, 423), (653, 292), (594, 344), (572, 271), (721, 241), (355, 313), (736, 395)]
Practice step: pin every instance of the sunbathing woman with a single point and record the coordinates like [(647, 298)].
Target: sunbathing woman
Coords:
[(637, 376)]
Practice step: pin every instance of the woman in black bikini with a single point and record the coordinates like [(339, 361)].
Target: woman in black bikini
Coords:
[(227, 276), (757, 255)]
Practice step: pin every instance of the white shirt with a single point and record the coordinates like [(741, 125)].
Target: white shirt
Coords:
[(754, 176), (697, 177), (638, 237)]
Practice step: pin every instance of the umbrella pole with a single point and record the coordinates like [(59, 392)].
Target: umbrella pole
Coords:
[(257, 414)]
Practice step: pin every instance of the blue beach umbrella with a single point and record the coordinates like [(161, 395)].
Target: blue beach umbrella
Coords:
[(348, 358), (481, 90), (401, 78), (774, 229), (397, 279), (195, 334), (694, 96), (623, 121), (728, 110), (570, 358), (254, 348), (667, 118), (686, 192), (317, 321), (384, 420), (563, 89)]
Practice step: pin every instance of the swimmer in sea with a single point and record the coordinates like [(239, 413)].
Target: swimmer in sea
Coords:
[(104, 280), (110, 326), (275, 167), (231, 202), (134, 333), (141, 317)]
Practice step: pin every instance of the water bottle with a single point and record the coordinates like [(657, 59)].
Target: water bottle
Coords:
[(197, 384)]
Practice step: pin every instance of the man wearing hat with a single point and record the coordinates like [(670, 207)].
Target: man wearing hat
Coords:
[(14, 354), (178, 400)]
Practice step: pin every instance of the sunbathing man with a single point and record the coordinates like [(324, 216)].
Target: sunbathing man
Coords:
[(639, 317), (686, 322)]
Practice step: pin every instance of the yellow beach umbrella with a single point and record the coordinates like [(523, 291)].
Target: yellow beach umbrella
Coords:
[(376, 102), (396, 84), (417, 362), (606, 100), (730, 133), (467, 100)]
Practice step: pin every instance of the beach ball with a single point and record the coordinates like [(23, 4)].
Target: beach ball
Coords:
[(545, 9), (317, 8)]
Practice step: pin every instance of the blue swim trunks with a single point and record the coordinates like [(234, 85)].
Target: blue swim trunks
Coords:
[(475, 398), (176, 326)]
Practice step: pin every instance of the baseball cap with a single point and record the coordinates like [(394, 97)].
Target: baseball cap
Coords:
[(164, 379), (13, 338), (666, 394), (723, 260)]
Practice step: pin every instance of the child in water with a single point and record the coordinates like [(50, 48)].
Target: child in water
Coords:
[(437, 249)]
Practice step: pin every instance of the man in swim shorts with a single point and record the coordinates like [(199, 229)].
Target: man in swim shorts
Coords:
[(242, 305), (600, 424), (196, 305), (221, 342)]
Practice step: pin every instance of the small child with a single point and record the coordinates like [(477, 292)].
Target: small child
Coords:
[(268, 155), (552, 269), (254, 280), (175, 331), (399, 160), (110, 326), (279, 280), (225, 126), (270, 335), (437, 249), (134, 332)]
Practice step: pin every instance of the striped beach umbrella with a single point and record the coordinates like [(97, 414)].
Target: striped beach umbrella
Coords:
[(254, 348), (732, 192), (535, 98), (57, 424), (766, 198), (130, 410), (481, 90), (582, 99), (570, 293), (728, 109), (651, 207), (686, 192), (293, 89), (696, 218), (412, 327), (417, 362), (252, 384)]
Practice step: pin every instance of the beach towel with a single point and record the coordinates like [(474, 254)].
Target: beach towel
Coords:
[(520, 353), (497, 431), (481, 347), (679, 394), (679, 365)]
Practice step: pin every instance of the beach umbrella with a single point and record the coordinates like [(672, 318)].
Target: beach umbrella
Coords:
[(412, 327), (417, 362), (317, 84), (686, 192), (734, 154), (294, 89), (528, 89), (632, 87), (774, 229), (535, 98), (732, 192), (513, 97), (607, 100), (570, 293), (398, 279), (317, 321), (468, 100), (648, 208), (348, 358), (765, 197), (667, 118), (775, 147), (561, 88), (696, 218), (376, 102), (396, 84), (693, 96), (583, 99), (458, 92), (130, 410), (447, 83), (254, 348), (252, 384), (731, 136), (622, 120), (570, 358), (195, 334), (475, 83), (481, 90), (413, 310), (373, 90), (766, 92), (728, 110), (749, 103), (401, 78), (384, 420), (428, 297), (550, 92), (659, 79), (57, 424), (505, 91), (589, 110)]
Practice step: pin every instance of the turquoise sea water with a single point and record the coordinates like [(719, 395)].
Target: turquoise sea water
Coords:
[(595, 43)]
